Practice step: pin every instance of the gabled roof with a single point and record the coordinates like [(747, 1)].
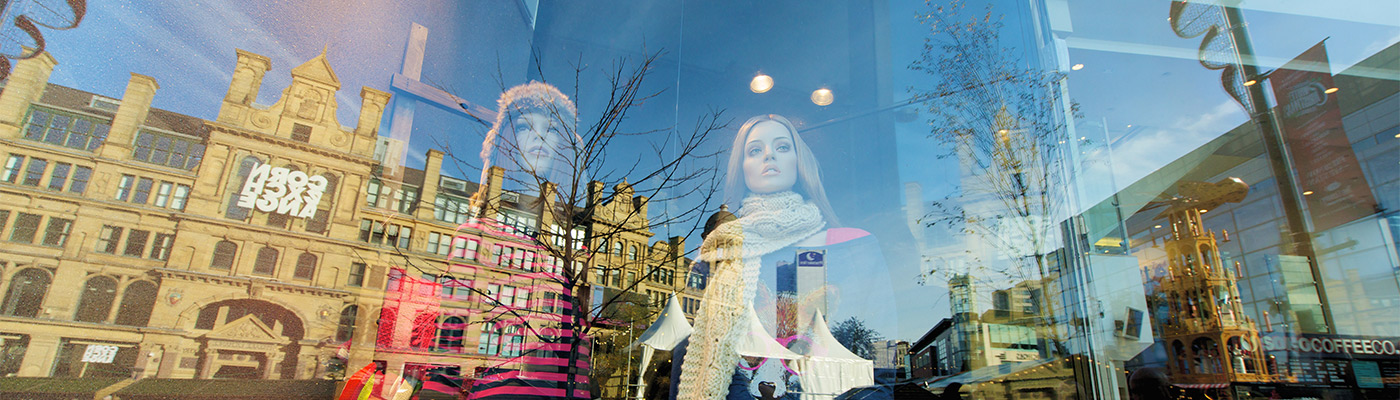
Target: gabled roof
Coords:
[(317, 69)]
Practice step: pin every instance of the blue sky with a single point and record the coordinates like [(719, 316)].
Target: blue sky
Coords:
[(1137, 72)]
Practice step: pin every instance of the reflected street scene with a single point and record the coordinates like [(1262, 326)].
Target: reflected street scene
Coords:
[(829, 200)]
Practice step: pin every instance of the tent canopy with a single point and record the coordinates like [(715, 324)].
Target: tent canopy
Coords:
[(668, 330)]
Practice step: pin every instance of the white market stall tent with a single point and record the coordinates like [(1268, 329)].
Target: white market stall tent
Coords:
[(828, 368), (664, 334)]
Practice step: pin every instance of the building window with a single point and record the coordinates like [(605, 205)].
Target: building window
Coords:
[(4, 218), (454, 288), (451, 210), (35, 172), (320, 221), (12, 168), (163, 194), (306, 266), (56, 234), (167, 150), (617, 248), (301, 133), (400, 236), (372, 193), (450, 333), (81, 176), (490, 341), (266, 263), (143, 190), (124, 187), (632, 252), (82, 133), (346, 329), (12, 354), (26, 226), (95, 303), (224, 252), (160, 247), (278, 220), (357, 275), (235, 189), (177, 200), (26, 293), (136, 243), (108, 239), (137, 303), (438, 243), (59, 176)]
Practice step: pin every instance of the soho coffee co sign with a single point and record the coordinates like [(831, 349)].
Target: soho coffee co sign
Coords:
[(1333, 344), (283, 191)]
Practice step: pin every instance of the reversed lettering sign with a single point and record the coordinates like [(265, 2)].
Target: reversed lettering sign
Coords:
[(100, 353), (283, 191)]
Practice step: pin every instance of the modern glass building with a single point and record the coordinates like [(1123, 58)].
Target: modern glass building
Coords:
[(1042, 199)]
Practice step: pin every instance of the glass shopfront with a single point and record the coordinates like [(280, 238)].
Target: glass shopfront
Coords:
[(1040, 199)]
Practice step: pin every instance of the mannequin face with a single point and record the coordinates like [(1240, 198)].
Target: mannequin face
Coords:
[(770, 159), (538, 136)]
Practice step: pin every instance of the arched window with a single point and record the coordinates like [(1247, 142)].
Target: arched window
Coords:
[(306, 266), (266, 262), (26, 294), (224, 253), (617, 247), (235, 188), (95, 303), (632, 252), (137, 302), (450, 332), (346, 329)]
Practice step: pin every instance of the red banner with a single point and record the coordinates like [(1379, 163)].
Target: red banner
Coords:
[(1331, 179)]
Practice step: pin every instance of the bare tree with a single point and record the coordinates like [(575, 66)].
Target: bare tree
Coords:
[(1004, 122)]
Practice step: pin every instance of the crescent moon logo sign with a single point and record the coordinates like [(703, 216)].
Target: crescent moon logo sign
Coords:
[(811, 256)]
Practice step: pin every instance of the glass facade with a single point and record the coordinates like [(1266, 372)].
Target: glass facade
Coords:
[(1038, 199)]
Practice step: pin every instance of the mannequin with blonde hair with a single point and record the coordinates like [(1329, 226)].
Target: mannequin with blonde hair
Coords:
[(782, 212)]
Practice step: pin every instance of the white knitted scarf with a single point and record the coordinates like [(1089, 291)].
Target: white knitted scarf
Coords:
[(766, 223)]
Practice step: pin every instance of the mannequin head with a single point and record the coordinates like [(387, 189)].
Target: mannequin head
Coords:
[(533, 137), (770, 156)]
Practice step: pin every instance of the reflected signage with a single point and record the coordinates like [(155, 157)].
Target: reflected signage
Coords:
[(283, 191), (1328, 172)]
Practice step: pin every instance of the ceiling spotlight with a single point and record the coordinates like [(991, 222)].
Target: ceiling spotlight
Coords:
[(1250, 82), (1307, 193), (1077, 67), (1330, 90), (761, 83), (823, 97)]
